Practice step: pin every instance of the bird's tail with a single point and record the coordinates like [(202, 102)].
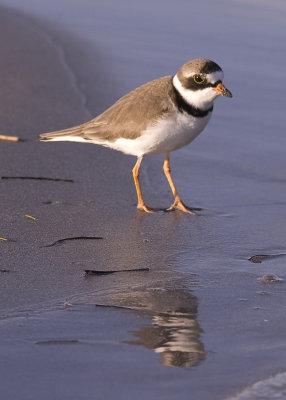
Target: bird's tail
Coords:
[(70, 134)]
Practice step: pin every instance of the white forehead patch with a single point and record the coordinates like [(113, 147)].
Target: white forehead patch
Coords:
[(214, 76)]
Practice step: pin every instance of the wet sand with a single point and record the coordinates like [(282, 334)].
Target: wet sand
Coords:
[(199, 321)]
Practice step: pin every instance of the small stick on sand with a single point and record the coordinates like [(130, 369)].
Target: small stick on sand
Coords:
[(9, 138), (30, 217)]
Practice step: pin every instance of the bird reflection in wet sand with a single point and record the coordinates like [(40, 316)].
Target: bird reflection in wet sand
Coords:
[(175, 332)]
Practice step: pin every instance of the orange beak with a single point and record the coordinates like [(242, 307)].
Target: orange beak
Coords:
[(220, 89)]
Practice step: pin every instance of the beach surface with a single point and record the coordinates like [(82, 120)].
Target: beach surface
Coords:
[(203, 317)]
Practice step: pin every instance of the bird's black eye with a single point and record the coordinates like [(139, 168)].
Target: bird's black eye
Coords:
[(199, 79)]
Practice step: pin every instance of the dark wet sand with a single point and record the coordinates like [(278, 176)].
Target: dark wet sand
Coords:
[(199, 321)]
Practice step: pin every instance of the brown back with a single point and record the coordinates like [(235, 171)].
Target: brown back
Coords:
[(132, 113)]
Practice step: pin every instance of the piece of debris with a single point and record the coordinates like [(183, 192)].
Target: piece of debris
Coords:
[(2, 239), (30, 217), (37, 178), (9, 138), (4, 271), (74, 238), (96, 272), (270, 278), (261, 257)]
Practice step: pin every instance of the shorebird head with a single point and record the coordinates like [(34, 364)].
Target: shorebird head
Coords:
[(199, 82)]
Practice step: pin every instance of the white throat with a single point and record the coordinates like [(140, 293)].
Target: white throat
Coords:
[(201, 98)]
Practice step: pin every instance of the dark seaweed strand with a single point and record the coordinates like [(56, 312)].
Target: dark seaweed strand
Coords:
[(75, 238), (257, 259), (183, 106), (94, 272), (38, 178)]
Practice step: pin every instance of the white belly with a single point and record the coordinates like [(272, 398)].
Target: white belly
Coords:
[(167, 135)]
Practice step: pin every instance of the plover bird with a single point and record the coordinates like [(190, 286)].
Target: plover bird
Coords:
[(158, 117)]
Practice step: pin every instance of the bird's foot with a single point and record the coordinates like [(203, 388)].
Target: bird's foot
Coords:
[(143, 207), (179, 205)]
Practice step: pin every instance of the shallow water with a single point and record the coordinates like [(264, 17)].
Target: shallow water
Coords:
[(202, 306), (271, 388)]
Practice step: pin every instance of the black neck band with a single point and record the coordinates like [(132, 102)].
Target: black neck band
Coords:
[(183, 106)]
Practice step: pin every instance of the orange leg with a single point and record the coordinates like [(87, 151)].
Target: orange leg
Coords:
[(178, 204), (135, 171)]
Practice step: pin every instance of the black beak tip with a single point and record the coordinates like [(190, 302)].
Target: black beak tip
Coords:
[(226, 93)]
